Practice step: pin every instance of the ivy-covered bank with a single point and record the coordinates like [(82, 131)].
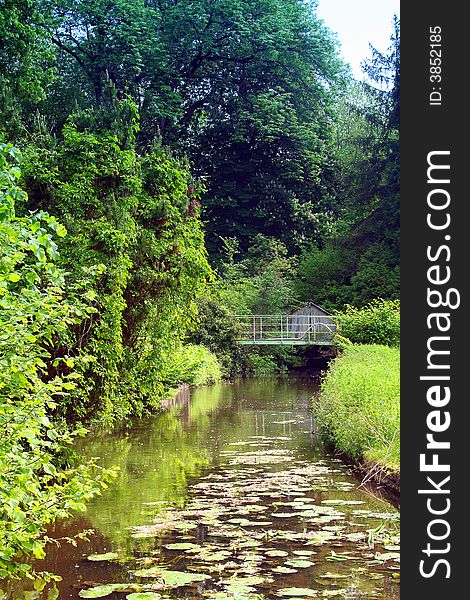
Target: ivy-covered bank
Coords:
[(93, 314), (135, 235)]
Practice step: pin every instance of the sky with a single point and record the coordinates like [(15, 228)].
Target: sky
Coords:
[(358, 22)]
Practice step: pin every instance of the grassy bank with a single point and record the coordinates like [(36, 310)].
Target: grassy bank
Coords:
[(359, 407)]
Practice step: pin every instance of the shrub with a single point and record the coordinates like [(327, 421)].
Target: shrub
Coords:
[(324, 276), (193, 364), (376, 323), (218, 330), (137, 215), (37, 482)]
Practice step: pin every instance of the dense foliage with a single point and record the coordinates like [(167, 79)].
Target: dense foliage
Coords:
[(359, 407), (258, 281), (376, 323), (133, 219), (360, 261), (250, 83), (37, 482)]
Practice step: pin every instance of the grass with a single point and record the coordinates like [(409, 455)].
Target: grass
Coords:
[(359, 407)]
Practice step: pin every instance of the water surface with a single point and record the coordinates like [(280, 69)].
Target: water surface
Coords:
[(231, 487)]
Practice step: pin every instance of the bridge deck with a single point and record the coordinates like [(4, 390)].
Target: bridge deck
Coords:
[(288, 330)]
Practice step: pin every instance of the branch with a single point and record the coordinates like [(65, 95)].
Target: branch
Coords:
[(191, 110), (71, 52)]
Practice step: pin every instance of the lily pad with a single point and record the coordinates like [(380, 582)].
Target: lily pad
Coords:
[(182, 546), (299, 564), (180, 578), (101, 591), (276, 553), (171, 578), (284, 570), (299, 592), (100, 557), (143, 596)]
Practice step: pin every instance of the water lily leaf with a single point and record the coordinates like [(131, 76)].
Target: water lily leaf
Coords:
[(106, 556), (214, 556), (387, 556), (300, 592), (355, 536), (240, 522), (276, 553), (285, 570), (101, 591), (151, 572), (239, 591), (299, 564), (180, 578), (337, 557), (182, 546), (320, 537), (143, 596)]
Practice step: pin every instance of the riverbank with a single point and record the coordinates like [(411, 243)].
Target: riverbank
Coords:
[(358, 411)]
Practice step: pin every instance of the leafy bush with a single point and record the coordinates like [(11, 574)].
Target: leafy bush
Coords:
[(359, 407), (194, 365), (378, 275), (218, 330), (37, 482), (376, 323), (255, 362), (261, 281)]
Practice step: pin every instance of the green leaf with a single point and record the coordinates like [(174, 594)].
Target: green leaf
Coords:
[(143, 596), (103, 557), (101, 591)]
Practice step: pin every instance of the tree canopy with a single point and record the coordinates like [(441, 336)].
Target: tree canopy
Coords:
[(243, 87)]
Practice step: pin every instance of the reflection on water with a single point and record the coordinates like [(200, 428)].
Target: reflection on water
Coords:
[(227, 440)]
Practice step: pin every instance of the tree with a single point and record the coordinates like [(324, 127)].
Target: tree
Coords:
[(133, 219), (366, 241), (26, 62), (243, 87)]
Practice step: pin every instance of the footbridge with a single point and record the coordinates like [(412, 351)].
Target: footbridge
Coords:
[(290, 330)]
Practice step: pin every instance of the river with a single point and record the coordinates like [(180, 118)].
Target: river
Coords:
[(228, 494)]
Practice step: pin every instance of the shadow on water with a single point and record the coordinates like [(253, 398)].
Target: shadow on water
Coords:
[(233, 475)]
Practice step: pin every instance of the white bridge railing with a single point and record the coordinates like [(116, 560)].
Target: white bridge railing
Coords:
[(295, 329)]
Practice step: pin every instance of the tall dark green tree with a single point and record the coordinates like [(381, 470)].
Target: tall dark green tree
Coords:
[(361, 261), (26, 63), (243, 87)]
